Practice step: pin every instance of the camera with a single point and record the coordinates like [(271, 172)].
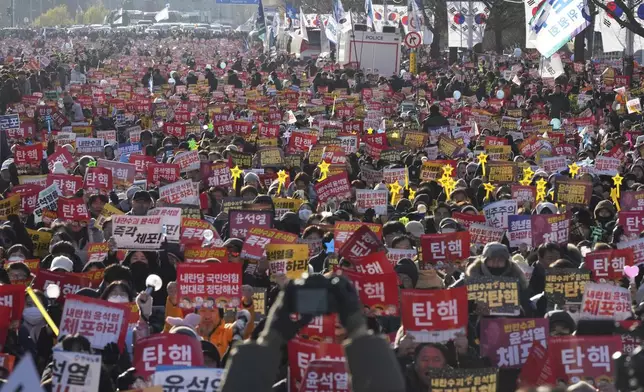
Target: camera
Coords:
[(312, 296)]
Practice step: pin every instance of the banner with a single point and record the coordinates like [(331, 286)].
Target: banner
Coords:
[(608, 265), (555, 24), (90, 146), (301, 352), (499, 294), (436, 315), (192, 231), (47, 200), (100, 321), (186, 378), (496, 214), (363, 242), (519, 230), (187, 161), (67, 184), (137, 232), (170, 220), (604, 301), (584, 358), (209, 285), (607, 166), (166, 349), (379, 293), (163, 172), (199, 254), (75, 372), (507, 341), (445, 247), (467, 220), (216, 174)]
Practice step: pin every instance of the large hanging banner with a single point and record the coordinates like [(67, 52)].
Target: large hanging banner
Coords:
[(463, 15), (556, 23)]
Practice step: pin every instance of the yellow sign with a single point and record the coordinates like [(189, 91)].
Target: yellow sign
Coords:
[(41, 240), (288, 259), (10, 206), (412, 63), (108, 211)]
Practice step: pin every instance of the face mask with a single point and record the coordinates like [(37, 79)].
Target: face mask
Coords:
[(496, 271), (119, 299), (305, 214), (16, 258), (32, 315)]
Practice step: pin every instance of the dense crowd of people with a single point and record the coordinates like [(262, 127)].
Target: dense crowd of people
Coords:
[(470, 227)]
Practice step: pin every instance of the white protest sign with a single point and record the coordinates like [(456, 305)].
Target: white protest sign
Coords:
[(187, 161), (634, 106), (47, 199), (551, 68), (90, 146), (603, 301), (180, 192), (496, 214), (137, 232), (76, 372), (606, 165), (182, 377), (376, 199), (171, 218)]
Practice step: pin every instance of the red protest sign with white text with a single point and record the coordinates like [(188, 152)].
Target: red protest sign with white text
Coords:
[(68, 185), (241, 221), (98, 179), (320, 329), (28, 197), (69, 283), (167, 172), (377, 292), (578, 358), (61, 155), (362, 242), (343, 230), (141, 163), (100, 321), (445, 247), (301, 352), (166, 349), (13, 296), (72, 209), (434, 315), (608, 265), (507, 342), (192, 231), (209, 285), (632, 222), (257, 238)]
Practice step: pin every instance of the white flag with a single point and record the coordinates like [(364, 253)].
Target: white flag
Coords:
[(554, 25), (164, 14), (551, 68), (332, 30), (303, 33)]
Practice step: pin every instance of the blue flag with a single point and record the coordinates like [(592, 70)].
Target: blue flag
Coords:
[(338, 12)]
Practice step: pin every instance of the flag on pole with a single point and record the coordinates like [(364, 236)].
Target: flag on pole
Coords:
[(260, 22), (338, 12), (303, 33), (368, 9), (164, 14)]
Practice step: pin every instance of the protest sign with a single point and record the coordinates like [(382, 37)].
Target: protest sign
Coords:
[(258, 238), (605, 301), (499, 172), (181, 377), (284, 205), (166, 349), (507, 341), (9, 206), (638, 249), (27, 158), (467, 220), (100, 321), (61, 155), (301, 352), (435, 315), (47, 201), (537, 369), (481, 379), (137, 232), (607, 166), (499, 294), (320, 329), (375, 263), (192, 231), (433, 170), (170, 221), (583, 358), (550, 228), (41, 240), (632, 200), (286, 259), (608, 265), (326, 375), (445, 247), (216, 174), (69, 283), (395, 255), (97, 251), (187, 161), (632, 222), (496, 214), (209, 285), (75, 372), (519, 230), (107, 212), (28, 196), (376, 199), (377, 292), (240, 221), (199, 254), (90, 146), (67, 184), (481, 234), (565, 286), (343, 230), (141, 164), (7, 361), (179, 192), (72, 209), (123, 174), (573, 192), (554, 164), (163, 172), (361, 243), (336, 187)]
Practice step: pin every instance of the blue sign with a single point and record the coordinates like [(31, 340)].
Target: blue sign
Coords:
[(128, 148), (237, 2), (9, 121)]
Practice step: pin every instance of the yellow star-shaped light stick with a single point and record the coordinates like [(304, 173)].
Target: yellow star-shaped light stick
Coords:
[(574, 169), (541, 185), (395, 188), (489, 188), (370, 131), (447, 170), (482, 157), (235, 173), (281, 180), (615, 197), (406, 177), (412, 194), (541, 196), (617, 181), (448, 184), (528, 173), (525, 181), (324, 170), (404, 220)]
